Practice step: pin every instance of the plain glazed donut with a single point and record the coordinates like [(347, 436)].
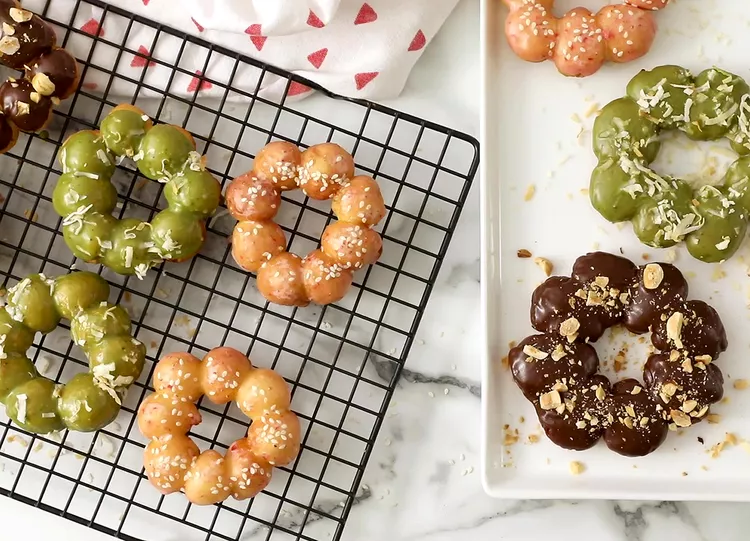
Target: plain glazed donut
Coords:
[(580, 42), (324, 171), (173, 461)]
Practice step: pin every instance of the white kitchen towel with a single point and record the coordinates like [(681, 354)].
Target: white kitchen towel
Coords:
[(351, 47)]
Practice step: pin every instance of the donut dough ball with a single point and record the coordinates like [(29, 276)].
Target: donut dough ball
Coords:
[(254, 243)]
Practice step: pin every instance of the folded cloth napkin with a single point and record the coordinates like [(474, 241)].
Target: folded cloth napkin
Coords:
[(351, 47)]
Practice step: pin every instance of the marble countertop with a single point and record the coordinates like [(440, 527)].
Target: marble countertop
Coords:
[(423, 479)]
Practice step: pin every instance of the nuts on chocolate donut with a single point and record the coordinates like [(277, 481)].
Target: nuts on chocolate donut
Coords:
[(558, 370)]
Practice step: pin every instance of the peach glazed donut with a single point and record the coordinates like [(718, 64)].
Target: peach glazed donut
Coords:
[(580, 42), (324, 171), (558, 369), (173, 461)]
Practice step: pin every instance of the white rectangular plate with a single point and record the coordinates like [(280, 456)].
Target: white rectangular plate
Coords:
[(533, 136)]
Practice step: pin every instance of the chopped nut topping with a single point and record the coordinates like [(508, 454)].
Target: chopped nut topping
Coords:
[(9, 45), (687, 366), (20, 15), (529, 195), (741, 384), (667, 391), (714, 419), (42, 84), (560, 387), (569, 327), (576, 468), (581, 424), (601, 281), (535, 353), (705, 359), (674, 328), (581, 294), (593, 299), (559, 353), (544, 264), (600, 393), (644, 421), (680, 418), (689, 405), (8, 30), (523, 254), (594, 421), (624, 298), (23, 108), (636, 390), (35, 96), (628, 422), (653, 275), (629, 410), (699, 413), (674, 355), (550, 400)]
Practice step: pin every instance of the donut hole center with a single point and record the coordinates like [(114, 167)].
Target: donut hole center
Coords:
[(622, 354), (698, 163)]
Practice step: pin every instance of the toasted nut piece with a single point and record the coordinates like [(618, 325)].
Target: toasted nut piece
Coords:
[(559, 353), (8, 30), (544, 264), (535, 353), (569, 327), (741, 384), (560, 387), (576, 468), (523, 254), (9, 45), (23, 108), (628, 422), (680, 418), (644, 421), (714, 419), (636, 390), (689, 405), (674, 355), (629, 410), (600, 393), (20, 15), (580, 424), (705, 359), (550, 400), (653, 275), (35, 96), (687, 366), (674, 328), (601, 281), (42, 84)]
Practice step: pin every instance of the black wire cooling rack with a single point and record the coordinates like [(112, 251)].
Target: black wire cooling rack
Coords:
[(342, 361)]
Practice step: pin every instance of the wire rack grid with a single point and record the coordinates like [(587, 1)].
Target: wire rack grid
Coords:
[(342, 361)]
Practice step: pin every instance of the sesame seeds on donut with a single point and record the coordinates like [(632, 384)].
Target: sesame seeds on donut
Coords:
[(324, 171), (580, 42), (173, 461)]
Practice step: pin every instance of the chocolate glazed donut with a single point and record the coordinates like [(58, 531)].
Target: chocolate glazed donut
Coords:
[(50, 74), (557, 370)]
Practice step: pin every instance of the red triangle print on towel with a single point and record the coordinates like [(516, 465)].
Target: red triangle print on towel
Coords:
[(254, 31), (295, 89), (145, 2), (314, 21), (197, 25), (197, 84), (363, 79), (366, 14), (418, 42), (93, 28), (140, 60), (317, 58)]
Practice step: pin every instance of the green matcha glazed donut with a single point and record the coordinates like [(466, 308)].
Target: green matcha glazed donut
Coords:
[(663, 210), (85, 197), (89, 401)]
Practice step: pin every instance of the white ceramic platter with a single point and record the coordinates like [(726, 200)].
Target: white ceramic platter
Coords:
[(537, 139)]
